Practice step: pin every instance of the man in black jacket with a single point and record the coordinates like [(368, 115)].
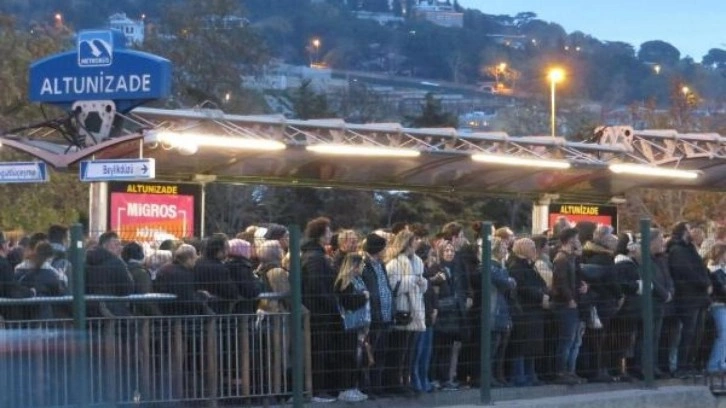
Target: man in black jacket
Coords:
[(692, 290), (318, 277), (213, 276), (107, 274)]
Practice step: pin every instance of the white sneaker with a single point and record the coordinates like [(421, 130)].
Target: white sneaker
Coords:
[(360, 394), (322, 400), (352, 396)]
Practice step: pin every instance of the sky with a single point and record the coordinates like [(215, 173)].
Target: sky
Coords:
[(693, 26)]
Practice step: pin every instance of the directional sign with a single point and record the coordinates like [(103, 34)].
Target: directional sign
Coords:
[(23, 172), (111, 170)]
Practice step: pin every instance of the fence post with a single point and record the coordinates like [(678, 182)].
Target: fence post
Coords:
[(297, 333), (80, 367), (485, 397), (78, 282), (647, 302)]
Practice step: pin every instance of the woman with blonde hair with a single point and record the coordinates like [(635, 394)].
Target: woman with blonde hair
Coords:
[(405, 274), (274, 277), (526, 344), (355, 311)]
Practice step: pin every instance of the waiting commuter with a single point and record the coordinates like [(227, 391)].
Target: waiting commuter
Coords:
[(133, 254), (155, 259), (213, 276), (347, 244), (58, 238), (318, 277), (273, 278), (405, 274), (449, 318), (692, 290), (382, 308), (567, 287), (526, 344), (177, 278), (107, 274), (627, 264), (240, 268), (603, 301), (717, 266), (39, 275), (503, 302), (353, 298), (278, 233)]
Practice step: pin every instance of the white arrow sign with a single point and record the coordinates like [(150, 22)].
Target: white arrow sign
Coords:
[(111, 170)]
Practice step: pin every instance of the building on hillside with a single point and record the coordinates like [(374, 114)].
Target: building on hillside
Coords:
[(439, 13), (518, 42), (133, 29), (380, 18)]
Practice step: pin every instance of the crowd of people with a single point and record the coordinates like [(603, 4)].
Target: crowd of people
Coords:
[(397, 311)]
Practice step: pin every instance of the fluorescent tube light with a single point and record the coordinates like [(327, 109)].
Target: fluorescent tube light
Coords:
[(521, 161), (187, 140), (367, 151), (652, 171)]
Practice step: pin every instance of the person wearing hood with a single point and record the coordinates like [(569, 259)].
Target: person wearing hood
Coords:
[(604, 300), (318, 277), (107, 274), (692, 290)]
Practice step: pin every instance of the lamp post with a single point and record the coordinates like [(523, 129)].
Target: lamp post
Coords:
[(316, 48), (555, 75)]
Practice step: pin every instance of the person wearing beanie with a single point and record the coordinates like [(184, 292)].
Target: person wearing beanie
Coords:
[(375, 278), (240, 268)]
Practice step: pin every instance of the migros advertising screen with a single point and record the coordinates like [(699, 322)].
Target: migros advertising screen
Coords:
[(154, 211)]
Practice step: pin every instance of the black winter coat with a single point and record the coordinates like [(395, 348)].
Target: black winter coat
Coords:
[(528, 334), (213, 276), (248, 285), (178, 280), (690, 275), (107, 274), (371, 280), (318, 277)]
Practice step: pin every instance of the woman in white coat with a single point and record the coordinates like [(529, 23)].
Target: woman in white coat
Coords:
[(405, 274)]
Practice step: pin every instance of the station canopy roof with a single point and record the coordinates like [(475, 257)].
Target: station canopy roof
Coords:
[(206, 145)]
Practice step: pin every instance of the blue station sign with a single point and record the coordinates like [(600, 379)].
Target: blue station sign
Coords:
[(23, 172), (121, 169), (100, 68)]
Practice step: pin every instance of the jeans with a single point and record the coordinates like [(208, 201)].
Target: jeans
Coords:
[(523, 369), (569, 339), (421, 361), (717, 361), (688, 346)]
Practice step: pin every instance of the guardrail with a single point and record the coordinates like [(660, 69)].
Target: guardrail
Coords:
[(137, 360)]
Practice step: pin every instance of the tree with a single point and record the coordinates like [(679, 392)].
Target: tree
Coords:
[(209, 52), (659, 52), (308, 104), (432, 115), (715, 58)]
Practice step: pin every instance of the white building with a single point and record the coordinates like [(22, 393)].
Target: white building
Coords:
[(133, 29), (439, 13)]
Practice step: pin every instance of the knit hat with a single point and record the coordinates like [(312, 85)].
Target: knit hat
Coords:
[(275, 232), (374, 244), (239, 248)]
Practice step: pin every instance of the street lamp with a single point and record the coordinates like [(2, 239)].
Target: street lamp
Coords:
[(656, 68), (686, 90), (316, 47), (500, 70), (555, 75)]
